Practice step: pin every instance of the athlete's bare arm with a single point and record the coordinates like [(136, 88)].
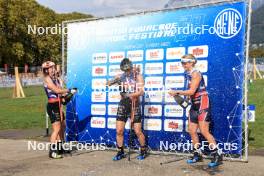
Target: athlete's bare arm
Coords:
[(53, 87)]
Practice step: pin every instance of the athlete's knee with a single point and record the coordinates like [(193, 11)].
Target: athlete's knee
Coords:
[(205, 132), (192, 131), (138, 132), (119, 132), (56, 127)]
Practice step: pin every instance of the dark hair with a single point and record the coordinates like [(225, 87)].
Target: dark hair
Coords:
[(125, 64)]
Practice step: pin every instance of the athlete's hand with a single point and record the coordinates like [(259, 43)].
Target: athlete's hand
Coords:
[(73, 90), (132, 96), (131, 121), (173, 92)]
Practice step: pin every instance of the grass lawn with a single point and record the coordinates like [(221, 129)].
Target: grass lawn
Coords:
[(20, 113), (29, 112), (256, 96)]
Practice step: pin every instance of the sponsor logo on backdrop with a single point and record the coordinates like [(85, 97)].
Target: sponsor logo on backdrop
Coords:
[(98, 83), (111, 123), (168, 98), (136, 55), (202, 65), (175, 53), (99, 70), (115, 57), (114, 96), (199, 51), (112, 109), (98, 122), (173, 111), (114, 70), (98, 96), (228, 23), (154, 54), (174, 82), (153, 110), (153, 82), (153, 68), (98, 109), (173, 125), (99, 58), (153, 96), (152, 124), (174, 67)]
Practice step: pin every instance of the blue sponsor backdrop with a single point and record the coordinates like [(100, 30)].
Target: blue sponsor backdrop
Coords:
[(94, 46)]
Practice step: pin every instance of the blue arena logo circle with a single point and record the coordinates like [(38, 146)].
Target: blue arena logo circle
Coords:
[(228, 23)]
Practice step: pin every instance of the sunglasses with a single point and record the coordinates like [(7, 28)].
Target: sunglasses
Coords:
[(183, 63)]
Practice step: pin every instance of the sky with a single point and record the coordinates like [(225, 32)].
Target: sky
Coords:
[(102, 8)]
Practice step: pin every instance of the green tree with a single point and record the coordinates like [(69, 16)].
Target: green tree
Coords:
[(17, 45)]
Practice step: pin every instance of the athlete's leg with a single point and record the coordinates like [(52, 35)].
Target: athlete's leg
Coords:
[(120, 126), (139, 133)]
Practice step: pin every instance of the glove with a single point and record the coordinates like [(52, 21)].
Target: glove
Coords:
[(73, 90)]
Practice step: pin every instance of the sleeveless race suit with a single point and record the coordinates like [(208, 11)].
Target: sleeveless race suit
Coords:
[(200, 108), (124, 106), (54, 108)]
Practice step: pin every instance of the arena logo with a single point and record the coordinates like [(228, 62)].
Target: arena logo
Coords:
[(153, 82), (173, 125), (199, 51), (228, 23), (111, 123), (174, 67), (97, 122), (174, 82), (175, 53), (136, 55), (154, 68), (99, 58), (153, 96), (114, 97), (98, 96), (112, 109), (98, 109), (116, 56), (202, 65), (114, 70), (153, 110), (152, 124), (99, 71), (155, 54), (168, 98), (98, 83), (173, 111)]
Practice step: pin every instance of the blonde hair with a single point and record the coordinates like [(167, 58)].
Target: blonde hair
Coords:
[(191, 57)]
